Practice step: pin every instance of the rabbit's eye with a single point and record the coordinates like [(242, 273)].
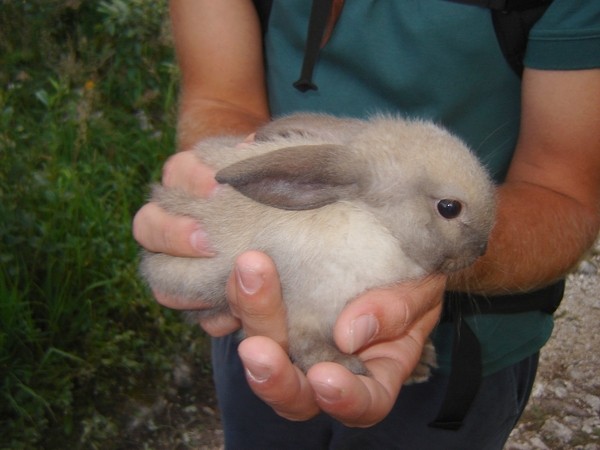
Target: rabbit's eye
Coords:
[(449, 209)]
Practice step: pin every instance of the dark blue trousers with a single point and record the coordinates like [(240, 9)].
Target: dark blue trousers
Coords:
[(249, 424)]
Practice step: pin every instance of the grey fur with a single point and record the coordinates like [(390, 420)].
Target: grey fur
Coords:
[(342, 206)]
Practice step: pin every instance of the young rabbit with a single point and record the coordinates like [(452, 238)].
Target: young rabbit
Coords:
[(341, 206)]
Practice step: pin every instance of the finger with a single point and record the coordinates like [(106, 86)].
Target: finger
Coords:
[(247, 142), (274, 379), (185, 171), (216, 326), (157, 231), (384, 314), (179, 303), (356, 401), (221, 325), (359, 401), (406, 350), (255, 298)]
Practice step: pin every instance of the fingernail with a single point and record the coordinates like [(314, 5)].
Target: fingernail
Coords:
[(249, 280), (215, 190), (257, 372), (199, 241), (327, 392), (362, 330), (249, 140)]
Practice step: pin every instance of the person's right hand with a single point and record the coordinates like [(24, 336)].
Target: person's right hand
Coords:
[(158, 231)]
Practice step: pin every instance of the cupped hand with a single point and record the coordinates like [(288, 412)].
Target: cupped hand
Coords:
[(158, 231), (387, 328)]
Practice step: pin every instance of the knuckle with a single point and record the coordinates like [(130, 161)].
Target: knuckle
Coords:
[(405, 314), (170, 240), (184, 170), (168, 170), (219, 326), (138, 225), (136, 230), (395, 316)]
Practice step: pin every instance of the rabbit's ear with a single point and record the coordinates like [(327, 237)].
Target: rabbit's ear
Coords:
[(295, 178)]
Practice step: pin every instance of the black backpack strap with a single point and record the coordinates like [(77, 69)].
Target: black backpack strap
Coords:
[(512, 29), (263, 8), (464, 381), (458, 304), (319, 14), (466, 369), (512, 19)]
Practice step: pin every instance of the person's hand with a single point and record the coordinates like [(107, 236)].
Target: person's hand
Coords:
[(387, 328), (156, 230)]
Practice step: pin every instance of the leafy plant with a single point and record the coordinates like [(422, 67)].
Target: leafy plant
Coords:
[(86, 118)]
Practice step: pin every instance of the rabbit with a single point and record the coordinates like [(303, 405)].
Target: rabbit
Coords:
[(341, 205)]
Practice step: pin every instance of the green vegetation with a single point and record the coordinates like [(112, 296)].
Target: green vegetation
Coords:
[(87, 101)]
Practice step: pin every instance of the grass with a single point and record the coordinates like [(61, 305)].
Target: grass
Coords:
[(87, 101)]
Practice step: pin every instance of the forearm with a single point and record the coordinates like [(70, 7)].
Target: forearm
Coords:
[(219, 51), (539, 235)]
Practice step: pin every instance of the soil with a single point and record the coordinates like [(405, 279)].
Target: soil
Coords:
[(563, 411)]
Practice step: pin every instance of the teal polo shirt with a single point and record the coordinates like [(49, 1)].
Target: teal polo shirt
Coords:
[(437, 60)]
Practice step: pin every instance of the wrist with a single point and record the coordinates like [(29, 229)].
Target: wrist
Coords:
[(201, 119)]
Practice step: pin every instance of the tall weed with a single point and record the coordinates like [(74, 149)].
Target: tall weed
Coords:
[(86, 118)]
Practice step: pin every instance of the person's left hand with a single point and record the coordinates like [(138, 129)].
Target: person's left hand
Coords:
[(387, 328)]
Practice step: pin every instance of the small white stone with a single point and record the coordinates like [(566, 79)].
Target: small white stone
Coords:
[(593, 401), (558, 430), (538, 444), (587, 268)]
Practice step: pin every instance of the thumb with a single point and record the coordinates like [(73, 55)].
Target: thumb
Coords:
[(386, 314), (254, 294)]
